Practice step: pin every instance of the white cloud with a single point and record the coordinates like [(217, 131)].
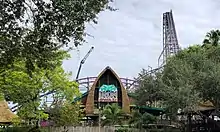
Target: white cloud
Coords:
[(131, 38)]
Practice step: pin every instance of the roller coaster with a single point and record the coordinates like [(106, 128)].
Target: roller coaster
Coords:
[(170, 41), (170, 47), (86, 83)]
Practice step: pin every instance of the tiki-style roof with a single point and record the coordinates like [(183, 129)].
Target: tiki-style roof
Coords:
[(6, 115), (205, 105)]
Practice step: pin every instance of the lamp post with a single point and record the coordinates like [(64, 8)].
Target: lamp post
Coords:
[(103, 118), (99, 118)]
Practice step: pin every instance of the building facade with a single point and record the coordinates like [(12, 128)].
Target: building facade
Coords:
[(114, 93), (108, 89)]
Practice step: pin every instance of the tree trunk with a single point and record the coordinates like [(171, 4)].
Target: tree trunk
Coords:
[(189, 123)]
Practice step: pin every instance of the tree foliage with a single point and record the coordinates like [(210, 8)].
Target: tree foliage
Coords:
[(113, 115), (32, 34), (67, 114), (138, 120), (35, 29), (149, 90), (188, 78), (195, 71), (212, 38), (27, 91)]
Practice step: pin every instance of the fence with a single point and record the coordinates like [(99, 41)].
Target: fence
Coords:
[(84, 129), (81, 129), (105, 129)]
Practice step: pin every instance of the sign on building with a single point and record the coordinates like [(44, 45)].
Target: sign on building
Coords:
[(108, 93)]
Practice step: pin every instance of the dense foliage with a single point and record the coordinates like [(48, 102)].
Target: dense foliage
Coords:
[(149, 90), (34, 30), (32, 34), (67, 114), (138, 120), (28, 91), (113, 115), (188, 78)]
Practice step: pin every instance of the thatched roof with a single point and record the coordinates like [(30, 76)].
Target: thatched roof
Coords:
[(205, 105), (6, 115), (202, 106)]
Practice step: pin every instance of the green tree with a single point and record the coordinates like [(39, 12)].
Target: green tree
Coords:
[(35, 29), (179, 87), (212, 38), (67, 114), (149, 89), (187, 79), (139, 120), (113, 115), (1, 97), (27, 91), (192, 76)]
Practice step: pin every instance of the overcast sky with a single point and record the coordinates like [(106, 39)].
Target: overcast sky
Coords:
[(131, 38)]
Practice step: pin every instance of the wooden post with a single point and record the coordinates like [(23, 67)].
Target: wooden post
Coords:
[(189, 118), (87, 84)]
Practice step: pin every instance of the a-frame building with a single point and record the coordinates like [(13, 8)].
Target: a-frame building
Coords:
[(95, 99), (108, 89)]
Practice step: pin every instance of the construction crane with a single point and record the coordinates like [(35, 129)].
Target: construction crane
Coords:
[(82, 62)]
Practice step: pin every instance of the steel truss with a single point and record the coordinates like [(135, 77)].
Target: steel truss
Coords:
[(170, 42)]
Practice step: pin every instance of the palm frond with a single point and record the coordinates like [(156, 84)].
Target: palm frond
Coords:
[(113, 115), (212, 37)]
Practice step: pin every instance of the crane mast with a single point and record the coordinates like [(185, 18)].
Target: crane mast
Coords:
[(82, 62)]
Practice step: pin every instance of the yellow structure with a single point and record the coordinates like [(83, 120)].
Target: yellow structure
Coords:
[(6, 115)]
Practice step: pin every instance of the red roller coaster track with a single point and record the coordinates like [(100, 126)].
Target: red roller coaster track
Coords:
[(86, 83)]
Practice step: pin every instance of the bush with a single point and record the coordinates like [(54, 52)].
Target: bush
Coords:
[(15, 129), (122, 130), (147, 130), (22, 129), (163, 130)]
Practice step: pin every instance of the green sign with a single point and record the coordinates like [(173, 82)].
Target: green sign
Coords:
[(108, 93), (109, 88)]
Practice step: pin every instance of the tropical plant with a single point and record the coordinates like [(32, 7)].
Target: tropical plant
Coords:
[(113, 115), (212, 38), (139, 120)]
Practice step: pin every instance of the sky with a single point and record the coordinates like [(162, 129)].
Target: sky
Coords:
[(130, 38)]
